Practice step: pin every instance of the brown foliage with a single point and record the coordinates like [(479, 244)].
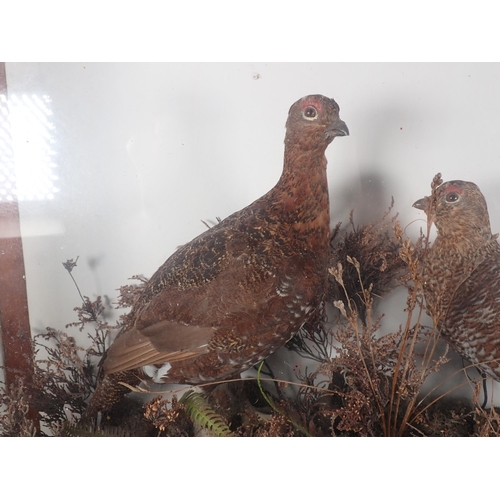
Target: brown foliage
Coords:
[(360, 383)]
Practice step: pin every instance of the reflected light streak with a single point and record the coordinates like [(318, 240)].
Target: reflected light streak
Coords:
[(27, 166)]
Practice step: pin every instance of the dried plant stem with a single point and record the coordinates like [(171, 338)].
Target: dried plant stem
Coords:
[(299, 427)]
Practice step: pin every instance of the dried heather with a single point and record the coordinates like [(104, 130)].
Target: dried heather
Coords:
[(353, 381)]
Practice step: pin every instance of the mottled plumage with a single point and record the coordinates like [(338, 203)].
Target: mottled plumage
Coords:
[(461, 274), (240, 290)]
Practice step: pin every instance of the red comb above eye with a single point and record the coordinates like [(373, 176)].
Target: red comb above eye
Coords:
[(454, 188), (312, 101)]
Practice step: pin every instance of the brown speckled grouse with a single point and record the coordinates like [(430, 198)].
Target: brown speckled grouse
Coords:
[(462, 274), (240, 290)]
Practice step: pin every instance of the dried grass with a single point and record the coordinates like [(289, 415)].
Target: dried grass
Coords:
[(358, 382)]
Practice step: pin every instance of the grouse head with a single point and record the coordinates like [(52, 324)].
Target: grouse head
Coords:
[(314, 119), (457, 208)]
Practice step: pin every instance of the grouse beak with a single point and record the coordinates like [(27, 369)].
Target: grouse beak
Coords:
[(341, 128), (422, 204)]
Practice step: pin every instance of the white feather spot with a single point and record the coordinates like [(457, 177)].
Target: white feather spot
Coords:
[(157, 374)]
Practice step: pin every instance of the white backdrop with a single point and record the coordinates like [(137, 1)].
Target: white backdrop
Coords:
[(136, 155)]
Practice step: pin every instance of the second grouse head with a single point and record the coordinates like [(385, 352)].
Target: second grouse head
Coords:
[(457, 207)]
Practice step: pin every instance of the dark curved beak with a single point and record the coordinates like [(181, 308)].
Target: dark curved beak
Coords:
[(422, 204), (341, 128)]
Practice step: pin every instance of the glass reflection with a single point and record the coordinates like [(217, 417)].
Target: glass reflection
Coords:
[(27, 159)]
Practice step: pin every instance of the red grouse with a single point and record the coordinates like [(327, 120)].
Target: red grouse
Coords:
[(242, 289), (461, 274)]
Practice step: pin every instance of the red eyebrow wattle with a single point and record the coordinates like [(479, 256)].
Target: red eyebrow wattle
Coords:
[(312, 102), (454, 189)]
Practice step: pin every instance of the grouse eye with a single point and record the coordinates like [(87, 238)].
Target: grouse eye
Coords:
[(310, 113), (452, 197)]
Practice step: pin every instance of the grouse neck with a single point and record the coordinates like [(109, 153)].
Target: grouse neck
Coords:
[(302, 190), (478, 236)]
